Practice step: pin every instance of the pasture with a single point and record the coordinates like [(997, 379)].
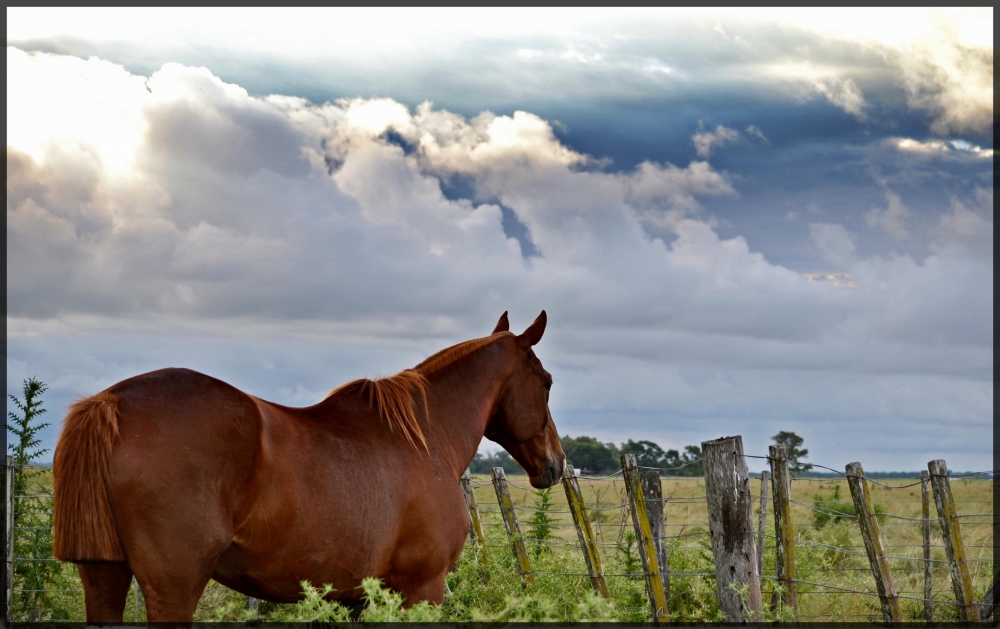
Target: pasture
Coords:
[(835, 581)]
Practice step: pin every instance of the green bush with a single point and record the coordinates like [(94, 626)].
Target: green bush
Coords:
[(836, 510)]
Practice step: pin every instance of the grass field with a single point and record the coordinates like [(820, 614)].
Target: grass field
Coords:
[(829, 555)]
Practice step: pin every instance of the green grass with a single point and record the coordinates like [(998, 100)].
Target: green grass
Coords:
[(497, 593)]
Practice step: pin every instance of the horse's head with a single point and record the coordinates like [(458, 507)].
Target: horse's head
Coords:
[(522, 423)]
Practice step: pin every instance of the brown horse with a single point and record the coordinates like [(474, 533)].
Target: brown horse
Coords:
[(178, 478)]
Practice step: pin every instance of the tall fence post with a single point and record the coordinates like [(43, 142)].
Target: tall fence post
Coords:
[(652, 489), (961, 580), (730, 523), (868, 523), (926, 514), (781, 491), (584, 532), (475, 524), (762, 526), (644, 538), (510, 523), (8, 540)]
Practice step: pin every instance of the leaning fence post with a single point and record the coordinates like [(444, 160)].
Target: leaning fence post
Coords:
[(584, 532), (781, 490), (475, 524), (644, 538), (961, 580), (926, 514), (868, 524), (653, 491), (763, 523), (510, 523), (8, 540), (730, 524)]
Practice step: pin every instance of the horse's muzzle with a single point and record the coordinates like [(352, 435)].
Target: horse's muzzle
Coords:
[(550, 473)]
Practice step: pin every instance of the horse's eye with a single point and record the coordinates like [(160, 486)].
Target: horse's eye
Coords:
[(548, 385)]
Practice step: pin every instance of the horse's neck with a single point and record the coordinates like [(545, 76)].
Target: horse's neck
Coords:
[(461, 398)]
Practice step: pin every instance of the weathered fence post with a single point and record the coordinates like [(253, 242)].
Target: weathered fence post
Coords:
[(989, 603), (763, 523), (584, 532), (653, 491), (253, 605), (781, 491), (926, 514), (868, 523), (961, 580), (730, 523), (475, 524), (644, 538), (510, 523), (8, 540)]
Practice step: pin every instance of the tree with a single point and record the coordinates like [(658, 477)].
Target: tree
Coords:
[(793, 453), (33, 538), (484, 464), (589, 453), (687, 464), (647, 453)]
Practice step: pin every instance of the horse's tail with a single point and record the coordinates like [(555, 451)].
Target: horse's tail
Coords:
[(84, 528)]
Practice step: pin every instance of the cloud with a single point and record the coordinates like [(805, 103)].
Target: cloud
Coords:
[(892, 218), (940, 148), (240, 226), (828, 81), (834, 244), (704, 141), (969, 225)]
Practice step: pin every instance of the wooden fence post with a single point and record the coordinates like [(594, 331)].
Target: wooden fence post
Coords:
[(730, 523), (653, 491), (781, 491), (961, 580), (868, 524), (8, 540), (989, 603), (475, 524), (584, 532), (510, 523), (762, 513), (926, 513), (644, 538), (253, 605)]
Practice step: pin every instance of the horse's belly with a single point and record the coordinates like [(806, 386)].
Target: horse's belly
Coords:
[(277, 575)]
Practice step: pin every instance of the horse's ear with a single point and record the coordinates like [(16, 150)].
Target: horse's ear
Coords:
[(503, 325), (534, 332)]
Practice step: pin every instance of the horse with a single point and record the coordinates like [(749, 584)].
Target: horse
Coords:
[(175, 478)]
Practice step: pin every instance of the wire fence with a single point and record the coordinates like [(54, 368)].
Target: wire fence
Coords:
[(833, 577)]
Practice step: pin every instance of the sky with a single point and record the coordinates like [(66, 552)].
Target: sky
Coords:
[(738, 221)]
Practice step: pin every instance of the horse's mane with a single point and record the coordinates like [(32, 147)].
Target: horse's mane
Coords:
[(394, 396)]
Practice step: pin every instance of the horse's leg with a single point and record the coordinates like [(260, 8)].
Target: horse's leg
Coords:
[(431, 590), (173, 580), (105, 587)]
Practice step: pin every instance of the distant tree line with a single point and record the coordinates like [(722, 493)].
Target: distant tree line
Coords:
[(587, 453), (595, 457)]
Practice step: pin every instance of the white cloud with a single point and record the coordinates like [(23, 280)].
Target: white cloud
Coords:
[(828, 81), (704, 141)]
